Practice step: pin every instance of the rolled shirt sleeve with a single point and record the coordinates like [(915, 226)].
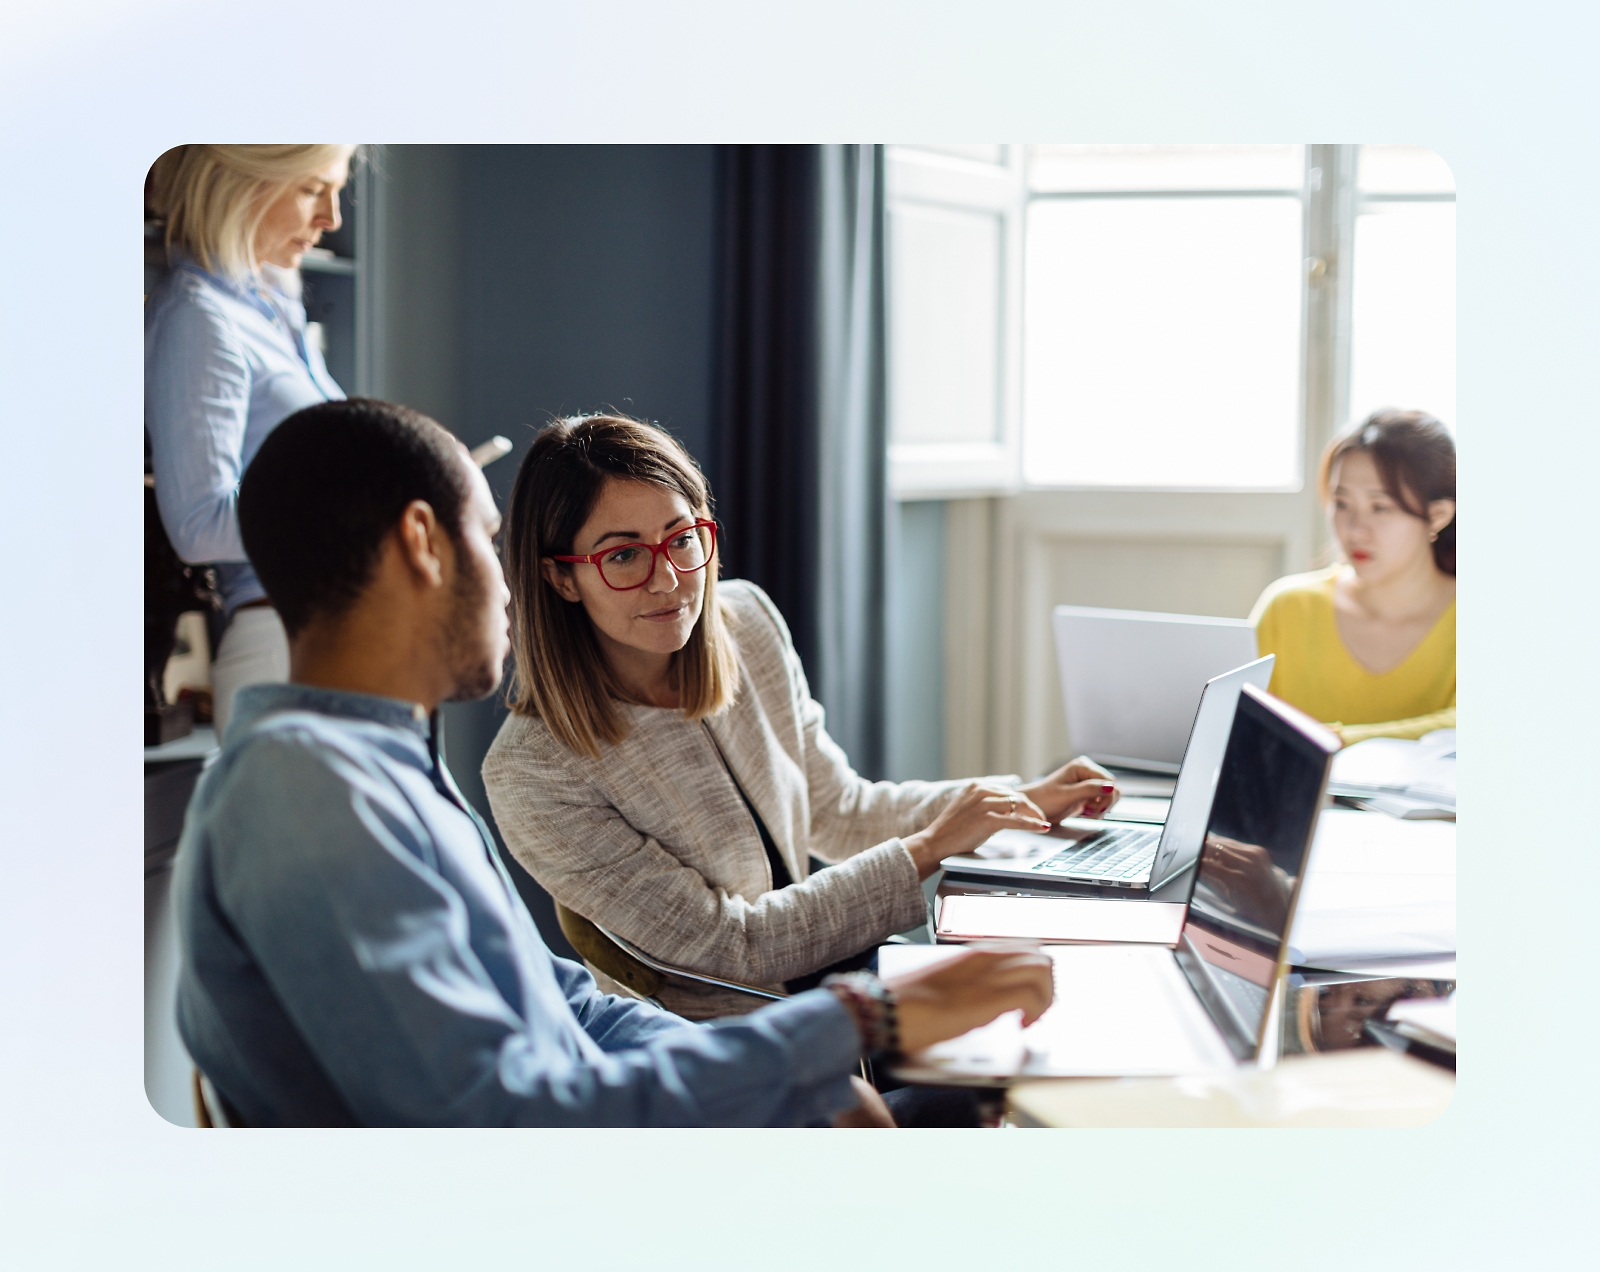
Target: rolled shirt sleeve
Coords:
[(419, 984)]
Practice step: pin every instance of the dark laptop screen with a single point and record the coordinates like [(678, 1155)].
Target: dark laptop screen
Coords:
[(1256, 844)]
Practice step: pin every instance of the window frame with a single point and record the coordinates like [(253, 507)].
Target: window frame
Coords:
[(1361, 203), (933, 179), (972, 470)]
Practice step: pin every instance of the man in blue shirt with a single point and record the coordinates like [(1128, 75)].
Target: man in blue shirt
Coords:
[(353, 951)]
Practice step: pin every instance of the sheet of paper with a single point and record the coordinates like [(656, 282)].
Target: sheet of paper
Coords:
[(1352, 842), (1150, 784), (1437, 968), (1333, 937), (1376, 888), (1139, 808), (1425, 769), (1050, 919), (1119, 1010), (1436, 1015)]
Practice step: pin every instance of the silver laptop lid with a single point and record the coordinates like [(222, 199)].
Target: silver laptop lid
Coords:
[(1185, 829), (1235, 940), (1129, 678)]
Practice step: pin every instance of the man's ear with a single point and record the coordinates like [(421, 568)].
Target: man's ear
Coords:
[(421, 540), (559, 579)]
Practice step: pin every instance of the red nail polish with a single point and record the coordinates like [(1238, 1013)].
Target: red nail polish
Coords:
[(1106, 788)]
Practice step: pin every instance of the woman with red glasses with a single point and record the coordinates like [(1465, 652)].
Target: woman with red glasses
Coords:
[(665, 773)]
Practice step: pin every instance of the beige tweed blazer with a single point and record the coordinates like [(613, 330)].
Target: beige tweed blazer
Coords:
[(652, 841)]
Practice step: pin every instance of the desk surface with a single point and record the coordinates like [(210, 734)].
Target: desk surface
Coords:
[(1368, 1087)]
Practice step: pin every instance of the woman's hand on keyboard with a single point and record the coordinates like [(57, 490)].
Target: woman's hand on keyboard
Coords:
[(969, 819), (1079, 788)]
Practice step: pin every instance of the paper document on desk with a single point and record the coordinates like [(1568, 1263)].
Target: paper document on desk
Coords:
[(1429, 1020), (1059, 920), (1119, 1010), (1139, 808), (1376, 888), (1422, 772)]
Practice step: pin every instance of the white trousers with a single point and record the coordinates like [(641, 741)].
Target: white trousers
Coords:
[(254, 650)]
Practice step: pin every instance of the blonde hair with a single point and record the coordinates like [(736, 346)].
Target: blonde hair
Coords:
[(212, 198), (561, 675)]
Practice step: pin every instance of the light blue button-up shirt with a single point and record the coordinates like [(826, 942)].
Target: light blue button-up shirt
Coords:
[(224, 364), (353, 952)]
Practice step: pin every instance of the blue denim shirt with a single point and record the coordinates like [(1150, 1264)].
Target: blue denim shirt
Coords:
[(224, 364), (353, 952)]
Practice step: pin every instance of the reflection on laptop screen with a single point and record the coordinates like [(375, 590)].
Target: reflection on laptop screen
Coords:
[(1256, 843)]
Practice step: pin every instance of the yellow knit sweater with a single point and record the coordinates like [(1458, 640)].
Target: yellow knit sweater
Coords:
[(1294, 619)]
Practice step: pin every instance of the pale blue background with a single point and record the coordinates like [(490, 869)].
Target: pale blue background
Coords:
[(91, 93)]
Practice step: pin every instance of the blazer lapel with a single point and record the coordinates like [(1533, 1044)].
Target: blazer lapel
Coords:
[(769, 777)]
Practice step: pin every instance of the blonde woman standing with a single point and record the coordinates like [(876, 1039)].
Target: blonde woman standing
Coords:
[(226, 359)]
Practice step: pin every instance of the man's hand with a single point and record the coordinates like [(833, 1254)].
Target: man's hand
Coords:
[(1079, 788), (969, 819), (970, 989), (871, 1111)]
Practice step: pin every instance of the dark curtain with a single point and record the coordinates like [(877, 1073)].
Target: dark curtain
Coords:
[(800, 454), (764, 470), (853, 538)]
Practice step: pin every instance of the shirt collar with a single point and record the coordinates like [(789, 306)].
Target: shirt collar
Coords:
[(255, 702), (253, 289)]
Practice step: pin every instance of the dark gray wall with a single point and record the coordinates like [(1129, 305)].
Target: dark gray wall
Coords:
[(425, 260), (589, 284), (915, 715), (531, 281)]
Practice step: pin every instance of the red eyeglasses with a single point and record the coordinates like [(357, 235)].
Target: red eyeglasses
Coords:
[(633, 564)]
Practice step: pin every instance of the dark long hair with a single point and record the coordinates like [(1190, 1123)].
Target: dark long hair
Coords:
[(1416, 462), (560, 674)]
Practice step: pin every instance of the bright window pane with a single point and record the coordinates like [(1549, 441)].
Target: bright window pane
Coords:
[(977, 154), (1402, 170), (944, 324), (1163, 342), (1067, 168), (1403, 311)]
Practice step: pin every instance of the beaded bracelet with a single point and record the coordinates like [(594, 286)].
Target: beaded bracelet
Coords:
[(872, 1004)]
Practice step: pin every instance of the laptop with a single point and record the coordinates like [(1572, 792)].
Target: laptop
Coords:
[(1126, 855), (1128, 679), (1146, 1010)]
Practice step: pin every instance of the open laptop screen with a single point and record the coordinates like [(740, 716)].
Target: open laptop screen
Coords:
[(1185, 829), (1257, 840)]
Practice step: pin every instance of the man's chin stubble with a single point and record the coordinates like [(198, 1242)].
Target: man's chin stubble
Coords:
[(480, 684)]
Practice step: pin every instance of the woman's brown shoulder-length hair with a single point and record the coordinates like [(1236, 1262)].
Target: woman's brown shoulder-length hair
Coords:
[(560, 674), (1416, 462)]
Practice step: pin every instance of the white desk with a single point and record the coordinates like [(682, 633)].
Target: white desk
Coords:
[(1372, 1086)]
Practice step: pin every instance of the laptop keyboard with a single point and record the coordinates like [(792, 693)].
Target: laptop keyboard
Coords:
[(1116, 854)]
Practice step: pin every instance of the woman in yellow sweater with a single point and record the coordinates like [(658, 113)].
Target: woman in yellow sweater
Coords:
[(1370, 645)]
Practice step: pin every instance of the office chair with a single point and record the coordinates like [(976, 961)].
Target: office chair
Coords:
[(211, 1109), (646, 975), (628, 965)]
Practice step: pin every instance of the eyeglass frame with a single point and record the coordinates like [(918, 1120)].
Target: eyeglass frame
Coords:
[(656, 550)]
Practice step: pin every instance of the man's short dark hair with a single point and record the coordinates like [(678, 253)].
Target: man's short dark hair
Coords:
[(327, 487)]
